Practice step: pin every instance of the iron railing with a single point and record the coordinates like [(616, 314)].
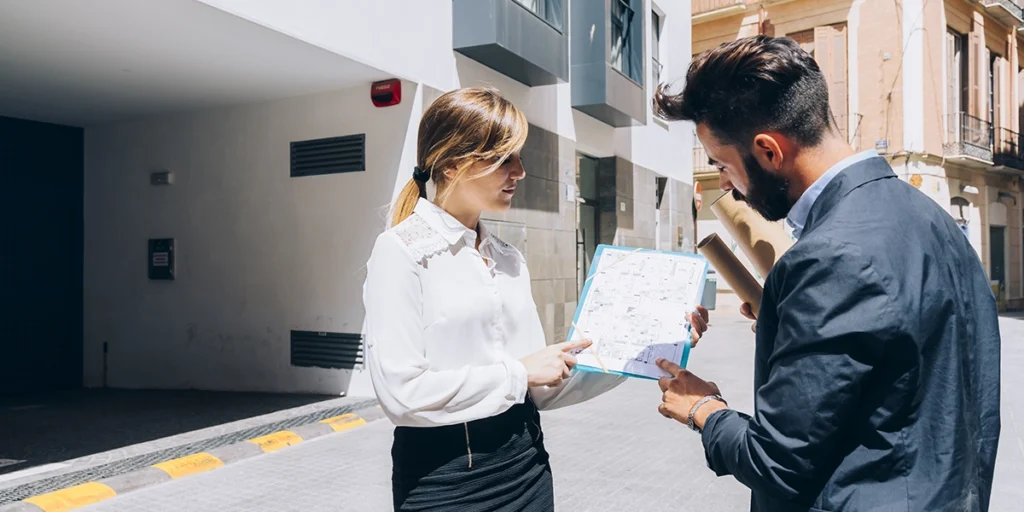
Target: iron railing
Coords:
[(967, 135), (1007, 150)]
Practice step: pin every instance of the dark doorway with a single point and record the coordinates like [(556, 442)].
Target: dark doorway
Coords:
[(997, 257), (586, 217), (41, 194)]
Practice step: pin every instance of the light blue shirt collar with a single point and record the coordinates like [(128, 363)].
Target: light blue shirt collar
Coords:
[(797, 217)]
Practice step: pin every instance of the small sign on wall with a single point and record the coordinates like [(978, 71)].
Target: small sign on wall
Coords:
[(161, 259)]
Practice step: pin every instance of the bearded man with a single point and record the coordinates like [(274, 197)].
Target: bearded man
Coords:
[(877, 343)]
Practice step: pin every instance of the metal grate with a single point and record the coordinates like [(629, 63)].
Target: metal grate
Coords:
[(327, 349), (328, 156)]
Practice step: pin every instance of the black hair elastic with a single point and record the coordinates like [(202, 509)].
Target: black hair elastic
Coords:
[(420, 175)]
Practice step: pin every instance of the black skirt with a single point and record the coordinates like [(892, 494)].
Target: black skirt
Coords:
[(493, 464)]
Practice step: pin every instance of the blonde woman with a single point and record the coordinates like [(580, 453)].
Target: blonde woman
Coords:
[(453, 340)]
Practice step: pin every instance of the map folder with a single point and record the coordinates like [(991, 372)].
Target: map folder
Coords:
[(634, 309)]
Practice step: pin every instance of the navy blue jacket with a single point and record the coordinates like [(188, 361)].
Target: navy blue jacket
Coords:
[(877, 362)]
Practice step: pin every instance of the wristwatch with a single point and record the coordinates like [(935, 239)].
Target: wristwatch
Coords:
[(702, 401)]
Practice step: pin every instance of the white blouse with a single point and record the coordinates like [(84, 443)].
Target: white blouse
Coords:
[(446, 325)]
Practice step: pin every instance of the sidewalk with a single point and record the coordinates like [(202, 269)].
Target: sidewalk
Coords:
[(614, 453), (100, 476)]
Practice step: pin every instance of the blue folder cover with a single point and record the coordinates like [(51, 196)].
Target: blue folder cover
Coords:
[(586, 290)]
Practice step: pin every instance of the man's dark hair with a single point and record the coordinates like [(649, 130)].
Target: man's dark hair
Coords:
[(752, 85)]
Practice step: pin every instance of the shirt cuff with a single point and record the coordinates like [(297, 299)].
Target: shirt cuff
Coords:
[(516, 380)]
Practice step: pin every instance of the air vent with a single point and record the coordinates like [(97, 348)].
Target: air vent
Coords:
[(327, 349), (329, 156)]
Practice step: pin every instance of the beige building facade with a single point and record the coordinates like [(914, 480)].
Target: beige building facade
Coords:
[(935, 87)]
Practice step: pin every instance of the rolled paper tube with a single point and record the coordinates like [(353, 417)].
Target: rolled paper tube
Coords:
[(729, 266), (762, 241)]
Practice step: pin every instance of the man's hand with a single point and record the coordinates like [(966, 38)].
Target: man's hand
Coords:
[(682, 391), (698, 324), (748, 312)]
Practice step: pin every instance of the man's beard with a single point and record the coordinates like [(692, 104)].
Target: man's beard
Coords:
[(767, 194)]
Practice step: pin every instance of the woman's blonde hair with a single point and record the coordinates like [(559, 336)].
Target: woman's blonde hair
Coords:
[(459, 129)]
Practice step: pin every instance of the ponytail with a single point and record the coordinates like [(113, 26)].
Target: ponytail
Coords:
[(407, 199)]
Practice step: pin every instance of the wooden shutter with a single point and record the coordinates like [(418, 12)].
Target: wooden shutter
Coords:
[(830, 53), (1020, 98), (997, 82), (952, 81), (805, 38), (977, 72)]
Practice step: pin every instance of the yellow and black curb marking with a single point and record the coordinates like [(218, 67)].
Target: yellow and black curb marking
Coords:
[(71, 498)]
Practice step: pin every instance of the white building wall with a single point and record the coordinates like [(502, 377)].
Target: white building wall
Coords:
[(258, 253), (412, 39)]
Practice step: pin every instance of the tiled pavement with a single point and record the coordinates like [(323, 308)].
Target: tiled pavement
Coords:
[(613, 453)]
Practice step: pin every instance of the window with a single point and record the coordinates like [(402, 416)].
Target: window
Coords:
[(624, 51), (656, 67), (548, 10)]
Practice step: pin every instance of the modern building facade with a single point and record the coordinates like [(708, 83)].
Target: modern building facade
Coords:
[(935, 87), (233, 171)]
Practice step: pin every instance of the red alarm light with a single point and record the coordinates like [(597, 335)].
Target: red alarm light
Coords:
[(386, 92)]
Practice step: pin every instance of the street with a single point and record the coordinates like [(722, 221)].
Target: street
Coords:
[(610, 454)]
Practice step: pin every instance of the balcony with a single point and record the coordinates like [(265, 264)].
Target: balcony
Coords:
[(1008, 149), (708, 10), (523, 39), (968, 139), (1008, 12), (608, 66)]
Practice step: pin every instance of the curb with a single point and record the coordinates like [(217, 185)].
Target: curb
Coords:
[(71, 498)]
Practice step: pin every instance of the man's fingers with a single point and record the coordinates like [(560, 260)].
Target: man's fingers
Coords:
[(663, 409), (703, 319), (664, 382), (669, 367), (698, 323), (570, 346), (703, 314)]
